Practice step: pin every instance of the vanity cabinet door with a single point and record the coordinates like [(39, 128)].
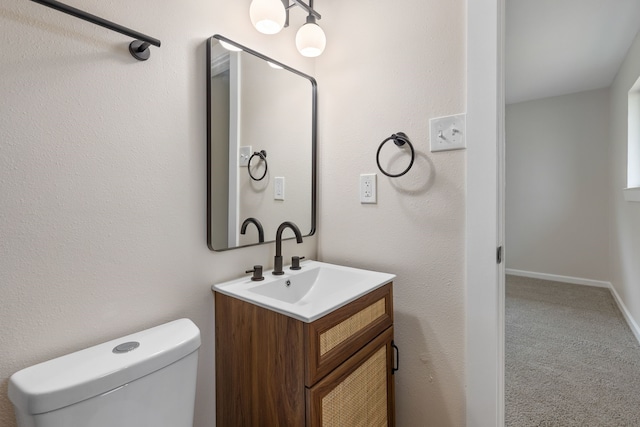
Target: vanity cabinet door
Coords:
[(334, 338), (360, 392)]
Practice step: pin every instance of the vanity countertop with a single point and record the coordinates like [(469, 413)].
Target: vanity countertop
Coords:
[(307, 294)]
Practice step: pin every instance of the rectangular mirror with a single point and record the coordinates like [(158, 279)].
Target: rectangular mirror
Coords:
[(261, 146)]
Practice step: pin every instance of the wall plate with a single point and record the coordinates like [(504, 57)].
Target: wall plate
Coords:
[(278, 188), (447, 133), (245, 154), (368, 188)]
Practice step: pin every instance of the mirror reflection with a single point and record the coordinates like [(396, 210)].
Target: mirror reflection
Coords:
[(260, 146)]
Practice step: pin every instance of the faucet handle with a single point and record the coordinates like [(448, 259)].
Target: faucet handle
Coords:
[(257, 273), (295, 262)]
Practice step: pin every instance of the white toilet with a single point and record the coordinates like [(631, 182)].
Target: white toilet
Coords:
[(147, 379)]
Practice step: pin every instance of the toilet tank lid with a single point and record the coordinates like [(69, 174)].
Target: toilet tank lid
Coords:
[(75, 377)]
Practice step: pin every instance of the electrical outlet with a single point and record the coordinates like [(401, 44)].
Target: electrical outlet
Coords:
[(278, 188), (447, 133), (368, 188)]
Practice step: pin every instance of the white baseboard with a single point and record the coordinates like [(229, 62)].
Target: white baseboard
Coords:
[(557, 278), (633, 325)]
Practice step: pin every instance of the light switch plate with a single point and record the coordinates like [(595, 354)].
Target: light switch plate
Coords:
[(448, 133), (245, 155)]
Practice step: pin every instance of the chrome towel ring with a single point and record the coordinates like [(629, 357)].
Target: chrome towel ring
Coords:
[(262, 155), (399, 139)]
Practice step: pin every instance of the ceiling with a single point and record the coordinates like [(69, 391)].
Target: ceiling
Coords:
[(556, 47)]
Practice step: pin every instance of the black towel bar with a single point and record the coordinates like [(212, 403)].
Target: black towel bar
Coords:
[(139, 48)]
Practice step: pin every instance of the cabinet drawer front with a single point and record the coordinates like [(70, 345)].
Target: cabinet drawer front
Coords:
[(335, 337), (358, 393)]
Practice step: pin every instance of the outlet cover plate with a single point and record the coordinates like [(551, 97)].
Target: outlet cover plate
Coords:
[(368, 188), (278, 188), (448, 133)]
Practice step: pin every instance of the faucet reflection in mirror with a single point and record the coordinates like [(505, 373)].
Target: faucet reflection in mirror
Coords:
[(253, 107), (271, 16), (258, 225)]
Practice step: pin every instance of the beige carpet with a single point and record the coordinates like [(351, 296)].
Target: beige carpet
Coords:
[(571, 359)]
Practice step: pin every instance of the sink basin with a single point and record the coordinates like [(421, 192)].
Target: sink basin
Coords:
[(307, 294)]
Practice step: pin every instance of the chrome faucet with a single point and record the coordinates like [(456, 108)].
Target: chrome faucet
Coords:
[(258, 225), (277, 263)]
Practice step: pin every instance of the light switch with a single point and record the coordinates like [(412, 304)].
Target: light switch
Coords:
[(245, 155), (448, 133)]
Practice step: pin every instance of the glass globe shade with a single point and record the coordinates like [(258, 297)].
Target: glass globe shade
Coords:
[(310, 40), (267, 16)]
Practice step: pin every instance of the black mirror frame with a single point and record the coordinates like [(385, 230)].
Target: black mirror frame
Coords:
[(314, 123)]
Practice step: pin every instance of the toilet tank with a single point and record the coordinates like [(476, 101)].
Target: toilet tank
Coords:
[(146, 379)]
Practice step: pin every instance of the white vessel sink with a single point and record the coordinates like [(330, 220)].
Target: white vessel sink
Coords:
[(309, 293)]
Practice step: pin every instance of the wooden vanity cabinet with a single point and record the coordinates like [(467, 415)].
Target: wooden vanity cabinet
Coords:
[(273, 370)]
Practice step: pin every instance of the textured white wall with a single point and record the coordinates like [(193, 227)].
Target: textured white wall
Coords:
[(102, 167), (557, 200), (625, 220), (390, 67), (102, 178)]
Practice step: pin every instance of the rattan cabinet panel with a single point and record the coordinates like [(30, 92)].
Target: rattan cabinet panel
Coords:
[(359, 393), (273, 370), (337, 336)]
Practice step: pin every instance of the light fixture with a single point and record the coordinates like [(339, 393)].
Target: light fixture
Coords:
[(274, 66), (229, 46), (270, 16), (310, 39)]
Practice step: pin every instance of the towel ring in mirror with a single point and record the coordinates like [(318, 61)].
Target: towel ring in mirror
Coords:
[(263, 155)]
